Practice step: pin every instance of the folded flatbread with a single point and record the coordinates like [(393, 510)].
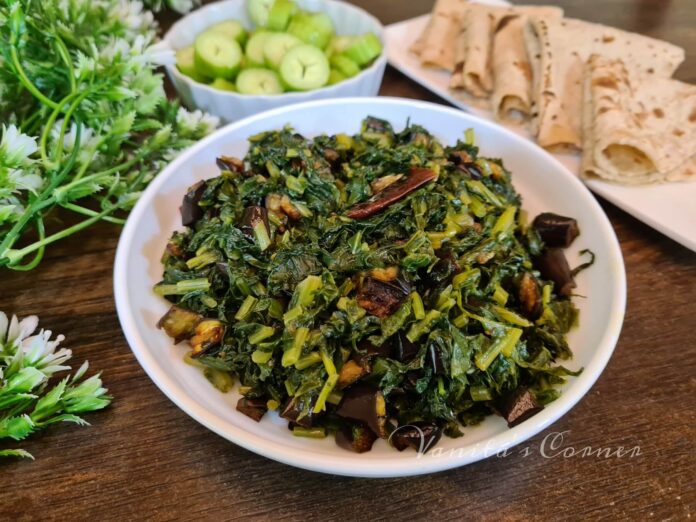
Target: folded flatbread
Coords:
[(511, 99), (435, 46), (638, 128), (559, 51), (474, 56)]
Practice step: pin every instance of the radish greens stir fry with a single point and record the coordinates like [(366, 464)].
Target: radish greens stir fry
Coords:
[(376, 285)]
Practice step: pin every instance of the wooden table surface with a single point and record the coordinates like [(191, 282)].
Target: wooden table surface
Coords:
[(143, 458)]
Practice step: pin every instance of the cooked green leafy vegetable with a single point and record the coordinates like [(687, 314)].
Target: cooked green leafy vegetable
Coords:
[(360, 284)]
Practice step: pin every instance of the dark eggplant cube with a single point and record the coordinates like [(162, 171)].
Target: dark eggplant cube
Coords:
[(251, 218), (191, 212), (351, 372), (555, 230), (419, 436), (519, 406), (230, 163), (402, 349), (293, 411), (370, 351), (553, 265), (253, 408), (529, 296), (444, 270), (382, 298), (331, 155), (355, 437), (376, 125), (179, 323), (435, 360), (364, 403)]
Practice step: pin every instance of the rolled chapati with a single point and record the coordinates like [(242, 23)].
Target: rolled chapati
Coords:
[(436, 45), (511, 99), (638, 128), (474, 56), (559, 50)]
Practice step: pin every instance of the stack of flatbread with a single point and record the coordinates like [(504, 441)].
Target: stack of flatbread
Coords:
[(575, 84)]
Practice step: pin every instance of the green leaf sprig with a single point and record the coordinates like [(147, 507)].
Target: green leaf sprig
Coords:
[(29, 399), (85, 121)]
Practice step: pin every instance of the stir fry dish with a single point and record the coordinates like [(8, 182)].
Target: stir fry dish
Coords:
[(381, 285)]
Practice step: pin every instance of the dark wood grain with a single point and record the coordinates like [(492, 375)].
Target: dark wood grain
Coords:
[(145, 459)]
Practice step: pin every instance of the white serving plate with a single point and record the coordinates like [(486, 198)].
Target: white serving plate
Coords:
[(230, 106), (668, 207), (543, 183)]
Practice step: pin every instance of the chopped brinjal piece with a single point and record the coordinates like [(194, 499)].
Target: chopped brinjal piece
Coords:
[(190, 211), (293, 412), (519, 406), (173, 248), (350, 372), (553, 265), (444, 269), (253, 218), (382, 298), (419, 436), (402, 349), (179, 323), (435, 360), (208, 334), (376, 125), (331, 155), (355, 437), (254, 408), (460, 157), (230, 163), (529, 296), (361, 365), (365, 403), (555, 230), (417, 177)]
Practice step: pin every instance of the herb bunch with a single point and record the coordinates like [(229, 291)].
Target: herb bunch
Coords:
[(86, 123), (28, 402)]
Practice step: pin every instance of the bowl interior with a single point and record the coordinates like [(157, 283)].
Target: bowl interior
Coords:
[(544, 185)]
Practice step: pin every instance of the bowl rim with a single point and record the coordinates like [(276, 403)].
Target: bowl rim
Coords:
[(291, 96), (345, 465)]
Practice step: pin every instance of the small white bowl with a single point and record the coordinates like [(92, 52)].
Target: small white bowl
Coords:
[(231, 106), (545, 185)]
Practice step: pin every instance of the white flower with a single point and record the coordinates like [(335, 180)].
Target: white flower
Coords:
[(195, 122), (160, 54), (23, 180), (13, 332), (37, 351), (15, 147), (89, 141), (131, 14), (182, 6)]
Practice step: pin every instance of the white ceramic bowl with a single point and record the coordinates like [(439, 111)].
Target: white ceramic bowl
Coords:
[(544, 184), (231, 106)]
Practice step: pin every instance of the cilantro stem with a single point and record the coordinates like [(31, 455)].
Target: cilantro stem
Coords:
[(89, 212), (28, 83), (39, 255), (66, 121), (16, 255), (65, 56), (47, 131)]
